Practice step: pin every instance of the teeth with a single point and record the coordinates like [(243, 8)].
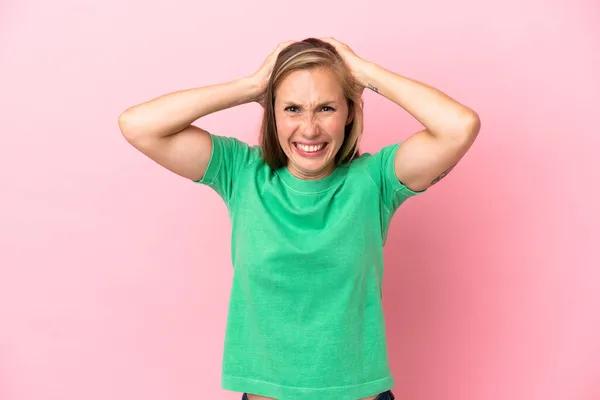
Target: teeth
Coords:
[(310, 149)]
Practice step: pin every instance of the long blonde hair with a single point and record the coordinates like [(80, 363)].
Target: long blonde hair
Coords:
[(311, 53)]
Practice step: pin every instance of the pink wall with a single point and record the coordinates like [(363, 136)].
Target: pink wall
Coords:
[(114, 273)]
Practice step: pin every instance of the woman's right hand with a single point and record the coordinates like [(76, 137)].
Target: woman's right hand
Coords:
[(262, 76)]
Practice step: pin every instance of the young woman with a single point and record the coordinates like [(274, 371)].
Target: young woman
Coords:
[(309, 213)]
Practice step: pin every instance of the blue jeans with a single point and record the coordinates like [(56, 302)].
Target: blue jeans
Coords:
[(387, 395)]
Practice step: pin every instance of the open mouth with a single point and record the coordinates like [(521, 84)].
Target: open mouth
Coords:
[(310, 149)]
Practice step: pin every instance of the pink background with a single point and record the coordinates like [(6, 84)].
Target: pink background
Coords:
[(115, 273)]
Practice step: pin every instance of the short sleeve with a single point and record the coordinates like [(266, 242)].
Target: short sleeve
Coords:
[(228, 158), (381, 169)]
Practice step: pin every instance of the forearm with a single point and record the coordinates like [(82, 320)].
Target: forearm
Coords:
[(170, 113), (440, 114)]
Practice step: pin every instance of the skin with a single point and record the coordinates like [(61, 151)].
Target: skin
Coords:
[(311, 109), (162, 128)]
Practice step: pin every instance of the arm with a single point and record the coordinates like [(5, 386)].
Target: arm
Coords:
[(450, 127), (161, 128)]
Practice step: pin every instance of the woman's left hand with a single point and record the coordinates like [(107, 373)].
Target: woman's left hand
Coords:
[(355, 64)]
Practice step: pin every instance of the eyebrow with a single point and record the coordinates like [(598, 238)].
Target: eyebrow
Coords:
[(325, 103)]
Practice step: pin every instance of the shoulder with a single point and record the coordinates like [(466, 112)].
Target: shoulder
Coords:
[(235, 149)]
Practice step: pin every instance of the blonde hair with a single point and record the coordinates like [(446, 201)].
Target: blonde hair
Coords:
[(307, 54)]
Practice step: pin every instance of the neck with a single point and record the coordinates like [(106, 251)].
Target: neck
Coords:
[(304, 175)]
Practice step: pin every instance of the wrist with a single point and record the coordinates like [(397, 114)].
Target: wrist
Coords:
[(250, 88), (365, 72)]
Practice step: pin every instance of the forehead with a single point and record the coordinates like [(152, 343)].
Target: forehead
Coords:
[(310, 85)]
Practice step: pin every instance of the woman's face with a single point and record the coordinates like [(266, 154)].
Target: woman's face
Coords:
[(311, 113)]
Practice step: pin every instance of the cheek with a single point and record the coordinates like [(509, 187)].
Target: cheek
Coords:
[(336, 126), (288, 125), (285, 129)]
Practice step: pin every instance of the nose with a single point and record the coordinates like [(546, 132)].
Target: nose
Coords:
[(309, 127)]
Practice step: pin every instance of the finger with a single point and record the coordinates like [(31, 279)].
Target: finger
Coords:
[(336, 45), (281, 46)]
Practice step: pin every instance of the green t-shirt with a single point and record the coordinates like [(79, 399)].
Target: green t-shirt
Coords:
[(305, 318)]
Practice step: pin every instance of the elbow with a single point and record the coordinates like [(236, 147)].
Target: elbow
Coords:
[(473, 124), (127, 126), (469, 127)]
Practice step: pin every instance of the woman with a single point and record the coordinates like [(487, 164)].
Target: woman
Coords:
[(309, 213)]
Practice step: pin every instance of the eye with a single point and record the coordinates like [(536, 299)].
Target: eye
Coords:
[(330, 108), (290, 108)]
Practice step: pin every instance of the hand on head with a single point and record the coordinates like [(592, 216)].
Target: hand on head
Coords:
[(262, 76)]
